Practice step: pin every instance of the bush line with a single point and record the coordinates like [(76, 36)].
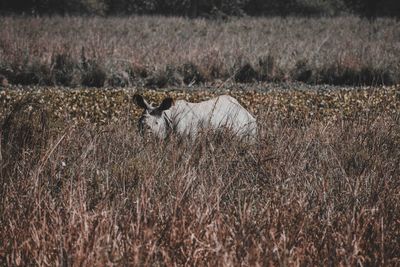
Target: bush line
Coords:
[(169, 51), (66, 71)]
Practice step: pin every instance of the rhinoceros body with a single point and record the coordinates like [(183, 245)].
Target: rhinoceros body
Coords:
[(188, 118)]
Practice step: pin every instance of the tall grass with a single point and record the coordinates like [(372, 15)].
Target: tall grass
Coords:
[(310, 192), (160, 51)]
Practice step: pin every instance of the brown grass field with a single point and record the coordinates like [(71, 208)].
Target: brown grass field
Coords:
[(159, 51), (80, 187)]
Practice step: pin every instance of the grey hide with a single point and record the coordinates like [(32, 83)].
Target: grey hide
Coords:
[(188, 118)]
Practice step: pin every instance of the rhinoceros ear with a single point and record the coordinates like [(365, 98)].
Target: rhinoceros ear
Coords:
[(141, 102), (166, 104)]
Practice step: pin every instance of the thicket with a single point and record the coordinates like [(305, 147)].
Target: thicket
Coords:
[(207, 8)]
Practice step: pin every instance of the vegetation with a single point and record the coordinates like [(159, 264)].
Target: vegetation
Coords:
[(206, 8), (158, 52), (320, 186), (100, 106), (80, 186)]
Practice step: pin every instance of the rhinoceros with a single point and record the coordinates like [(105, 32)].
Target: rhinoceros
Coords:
[(187, 118)]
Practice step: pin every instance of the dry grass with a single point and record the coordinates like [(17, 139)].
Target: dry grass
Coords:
[(310, 192), (159, 51)]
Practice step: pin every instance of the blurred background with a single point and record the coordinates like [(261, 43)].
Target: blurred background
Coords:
[(205, 8)]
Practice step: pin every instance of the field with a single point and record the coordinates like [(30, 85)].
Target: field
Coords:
[(158, 51), (81, 187)]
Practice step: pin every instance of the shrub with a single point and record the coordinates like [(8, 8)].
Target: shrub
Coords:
[(3, 81), (246, 74), (302, 72), (7, 72), (367, 75), (65, 70), (191, 73), (165, 77), (373, 76), (267, 68), (119, 79), (31, 73), (25, 76), (157, 80), (94, 74), (138, 72)]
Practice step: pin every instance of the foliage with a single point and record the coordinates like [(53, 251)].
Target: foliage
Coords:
[(94, 74), (311, 103)]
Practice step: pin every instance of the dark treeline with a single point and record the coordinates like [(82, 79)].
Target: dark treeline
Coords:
[(204, 8)]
